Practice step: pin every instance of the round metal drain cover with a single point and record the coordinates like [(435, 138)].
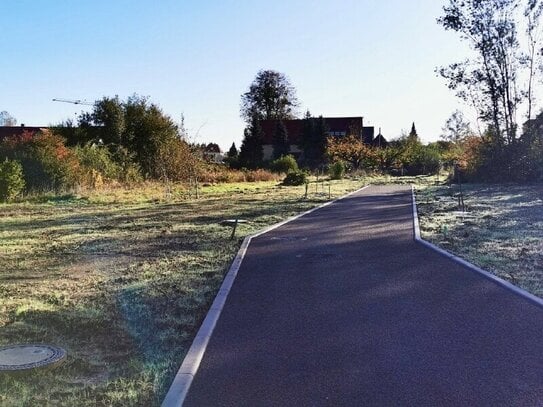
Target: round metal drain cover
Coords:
[(29, 356)]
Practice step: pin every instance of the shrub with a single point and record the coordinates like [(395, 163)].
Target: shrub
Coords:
[(12, 180), (284, 164), (260, 175), (294, 178), (337, 170), (98, 159), (47, 162), (59, 163)]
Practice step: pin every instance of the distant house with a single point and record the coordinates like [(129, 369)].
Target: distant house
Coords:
[(10, 131), (337, 127)]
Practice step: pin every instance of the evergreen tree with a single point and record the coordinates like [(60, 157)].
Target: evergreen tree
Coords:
[(233, 152), (281, 145), (232, 157), (313, 140), (251, 152)]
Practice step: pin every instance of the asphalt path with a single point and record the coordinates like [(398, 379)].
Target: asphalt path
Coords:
[(343, 307)]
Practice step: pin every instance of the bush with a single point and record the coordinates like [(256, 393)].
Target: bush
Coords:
[(294, 178), (47, 162), (94, 158), (284, 164), (337, 170), (59, 163), (12, 180)]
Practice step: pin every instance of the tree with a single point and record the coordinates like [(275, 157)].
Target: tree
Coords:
[(456, 128), (251, 152), (352, 150), (281, 145), (270, 96), (533, 57), (232, 157), (490, 81), (107, 121), (314, 140), (232, 152), (7, 119), (135, 130)]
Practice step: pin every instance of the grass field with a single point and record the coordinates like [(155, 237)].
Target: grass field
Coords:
[(501, 232), (122, 279)]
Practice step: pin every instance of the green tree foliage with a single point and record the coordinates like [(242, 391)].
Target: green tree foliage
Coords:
[(251, 152), (415, 158), (47, 162), (491, 80), (314, 140), (270, 96), (12, 181), (284, 164), (337, 170), (294, 178), (233, 151), (280, 142), (135, 130), (232, 156)]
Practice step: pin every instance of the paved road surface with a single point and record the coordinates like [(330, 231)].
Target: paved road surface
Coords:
[(342, 307)]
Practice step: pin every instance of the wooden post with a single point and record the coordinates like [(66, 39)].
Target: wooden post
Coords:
[(234, 229), (306, 188), (329, 191)]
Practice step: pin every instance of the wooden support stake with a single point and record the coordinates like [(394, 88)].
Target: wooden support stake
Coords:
[(234, 229)]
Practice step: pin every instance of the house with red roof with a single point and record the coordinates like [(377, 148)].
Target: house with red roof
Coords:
[(17, 131), (337, 127)]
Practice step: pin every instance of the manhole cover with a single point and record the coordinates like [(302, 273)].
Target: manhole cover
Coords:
[(29, 356)]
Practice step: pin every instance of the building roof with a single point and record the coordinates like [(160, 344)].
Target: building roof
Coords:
[(295, 127), (10, 131)]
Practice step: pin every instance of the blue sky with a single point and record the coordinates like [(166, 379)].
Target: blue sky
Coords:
[(345, 58)]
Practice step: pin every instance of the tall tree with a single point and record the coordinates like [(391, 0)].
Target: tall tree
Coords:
[(490, 80), (7, 119), (281, 145), (270, 96), (533, 57), (314, 140), (251, 151)]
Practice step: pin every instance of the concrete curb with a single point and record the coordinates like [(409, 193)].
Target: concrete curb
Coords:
[(495, 279), (183, 379)]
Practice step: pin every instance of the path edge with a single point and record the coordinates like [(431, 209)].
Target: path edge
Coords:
[(492, 277), (183, 379)]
